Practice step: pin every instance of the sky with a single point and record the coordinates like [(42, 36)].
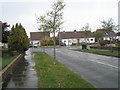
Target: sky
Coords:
[(76, 13)]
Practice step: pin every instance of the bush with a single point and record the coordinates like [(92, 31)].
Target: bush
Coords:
[(13, 53), (104, 42), (118, 44), (17, 47), (44, 42), (57, 42), (18, 39), (50, 42), (83, 43)]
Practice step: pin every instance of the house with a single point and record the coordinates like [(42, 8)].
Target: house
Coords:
[(36, 37), (118, 36), (69, 38), (110, 36), (4, 34)]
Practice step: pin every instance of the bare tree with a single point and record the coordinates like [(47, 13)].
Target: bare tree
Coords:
[(108, 25), (43, 26), (86, 30), (54, 19)]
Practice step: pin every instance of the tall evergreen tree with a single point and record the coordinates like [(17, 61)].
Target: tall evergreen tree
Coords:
[(18, 39)]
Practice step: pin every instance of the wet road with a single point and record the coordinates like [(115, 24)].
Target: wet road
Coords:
[(99, 70), (24, 75)]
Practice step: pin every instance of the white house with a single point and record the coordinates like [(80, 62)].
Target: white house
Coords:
[(118, 36), (69, 38), (109, 36), (36, 37), (112, 36)]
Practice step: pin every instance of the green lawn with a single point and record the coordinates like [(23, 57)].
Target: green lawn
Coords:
[(49, 46), (6, 58), (56, 76), (100, 51)]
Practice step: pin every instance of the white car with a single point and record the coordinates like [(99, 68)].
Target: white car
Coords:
[(36, 45)]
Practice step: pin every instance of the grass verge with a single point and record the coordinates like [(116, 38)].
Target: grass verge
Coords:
[(102, 52), (48, 46), (56, 76), (7, 58)]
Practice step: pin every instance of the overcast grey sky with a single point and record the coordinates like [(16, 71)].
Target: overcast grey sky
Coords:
[(76, 13)]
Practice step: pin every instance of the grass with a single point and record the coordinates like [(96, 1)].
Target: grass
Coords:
[(100, 51), (56, 76), (7, 58), (49, 46)]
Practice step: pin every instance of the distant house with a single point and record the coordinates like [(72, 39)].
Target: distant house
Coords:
[(110, 36), (4, 34), (118, 36), (69, 38), (36, 37)]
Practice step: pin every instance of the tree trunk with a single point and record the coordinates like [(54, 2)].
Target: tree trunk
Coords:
[(54, 47), (44, 45)]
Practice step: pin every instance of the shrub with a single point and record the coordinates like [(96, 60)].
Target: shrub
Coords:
[(44, 42), (103, 42), (18, 39), (50, 42), (57, 42), (83, 43)]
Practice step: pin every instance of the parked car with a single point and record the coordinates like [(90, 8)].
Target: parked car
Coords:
[(63, 44), (36, 45)]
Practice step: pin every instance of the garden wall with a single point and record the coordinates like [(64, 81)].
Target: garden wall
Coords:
[(7, 71)]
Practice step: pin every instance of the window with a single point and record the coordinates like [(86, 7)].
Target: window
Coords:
[(91, 39), (74, 41), (69, 41)]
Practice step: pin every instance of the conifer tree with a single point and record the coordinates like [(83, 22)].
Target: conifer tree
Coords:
[(18, 39)]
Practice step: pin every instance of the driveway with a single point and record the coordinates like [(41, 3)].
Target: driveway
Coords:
[(101, 71)]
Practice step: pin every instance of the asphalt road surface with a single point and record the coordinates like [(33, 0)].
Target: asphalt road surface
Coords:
[(101, 71)]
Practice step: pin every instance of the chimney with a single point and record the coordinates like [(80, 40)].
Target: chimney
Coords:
[(63, 31), (75, 31)]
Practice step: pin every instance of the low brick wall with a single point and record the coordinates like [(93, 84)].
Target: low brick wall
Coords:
[(7, 71), (106, 48)]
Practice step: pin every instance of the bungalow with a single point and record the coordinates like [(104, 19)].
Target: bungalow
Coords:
[(118, 36), (112, 36), (36, 37), (69, 38), (109, 36)]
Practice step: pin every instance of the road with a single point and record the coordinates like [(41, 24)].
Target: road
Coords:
[(101, 71)]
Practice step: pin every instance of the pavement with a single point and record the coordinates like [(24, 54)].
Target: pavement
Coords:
[(24, 75), (101, 71)]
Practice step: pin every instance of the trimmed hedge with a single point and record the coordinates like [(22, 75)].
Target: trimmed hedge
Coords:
[(49, 42)]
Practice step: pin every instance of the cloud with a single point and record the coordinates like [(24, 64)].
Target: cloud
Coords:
[(76, 12)]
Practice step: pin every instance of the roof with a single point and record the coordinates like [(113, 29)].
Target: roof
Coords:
[(38, 35), (110, 34), (118, 34), (71, 35)]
